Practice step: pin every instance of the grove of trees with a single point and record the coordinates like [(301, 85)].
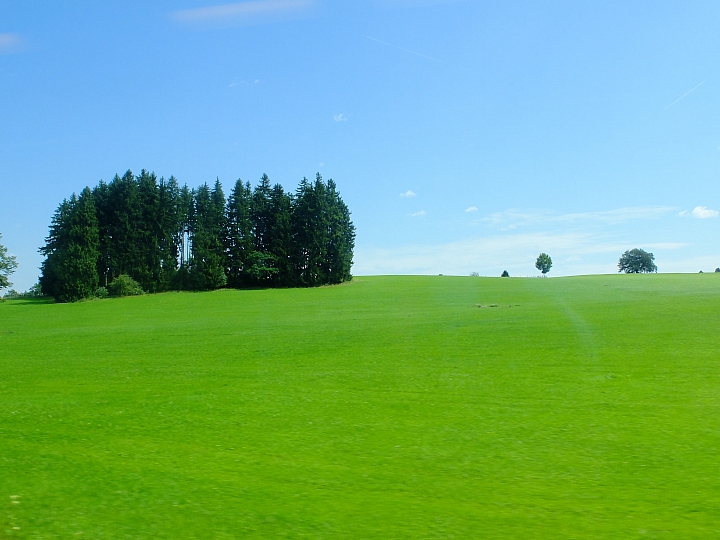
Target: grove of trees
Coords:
[(169, 237)]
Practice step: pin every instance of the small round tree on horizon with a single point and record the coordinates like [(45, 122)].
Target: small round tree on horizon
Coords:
[(637, 261), (543, 263)]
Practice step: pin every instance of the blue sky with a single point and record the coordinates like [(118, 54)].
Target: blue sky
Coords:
[(464, 135)]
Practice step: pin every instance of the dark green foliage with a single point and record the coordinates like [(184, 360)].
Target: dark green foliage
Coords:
[(637, 261), (69, 272), (124, 285), (505, 274), (543, 263), (102, 292), (325, 236), (207, 228), (8, 264), (240, 243), (717, 270), (167, 237)]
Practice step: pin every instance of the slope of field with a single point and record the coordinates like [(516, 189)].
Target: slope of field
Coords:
[(389, 407)]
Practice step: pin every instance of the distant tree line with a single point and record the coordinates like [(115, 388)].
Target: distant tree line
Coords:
[(169, 237)]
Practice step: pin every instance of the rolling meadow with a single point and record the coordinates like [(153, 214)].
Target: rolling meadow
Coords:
[(385, 407)]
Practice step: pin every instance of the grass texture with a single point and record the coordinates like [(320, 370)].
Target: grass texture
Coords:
[(389, 407)]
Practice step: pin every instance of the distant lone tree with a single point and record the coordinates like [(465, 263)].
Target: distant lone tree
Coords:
[(717, 270), (8, 264), (505, 274), (543, 263), (637, 261)]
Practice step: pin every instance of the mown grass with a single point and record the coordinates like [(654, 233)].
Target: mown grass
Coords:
[(390, 407)]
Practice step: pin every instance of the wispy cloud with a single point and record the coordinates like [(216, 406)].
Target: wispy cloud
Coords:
[(702, 212), (685, 94), (10, 43), (411, 3), (256, 12), (408, 193), (340, 118), (514, 218), (403, 49), (238, 81), (471, 209), (419, 214)]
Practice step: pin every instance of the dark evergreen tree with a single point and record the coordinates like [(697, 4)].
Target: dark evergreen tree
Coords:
[(51, 277), (279, 241), (240, 243), (262, 266), (125, 214), (72, 269), (170, 229), (207, 269), (340, 237), (103, 210), (148, 271)]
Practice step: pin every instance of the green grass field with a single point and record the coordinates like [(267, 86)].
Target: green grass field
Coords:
[(389, 407)]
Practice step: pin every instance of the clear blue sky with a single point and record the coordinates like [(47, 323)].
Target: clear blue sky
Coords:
[(510, 127)]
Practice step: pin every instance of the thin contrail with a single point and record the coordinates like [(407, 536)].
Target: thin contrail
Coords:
[(685, 94), (406, 50)]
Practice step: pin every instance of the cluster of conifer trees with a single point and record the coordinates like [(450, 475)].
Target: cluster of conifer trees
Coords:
[(168, 237)]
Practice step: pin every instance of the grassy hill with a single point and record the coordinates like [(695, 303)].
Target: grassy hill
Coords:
[(389, 407)]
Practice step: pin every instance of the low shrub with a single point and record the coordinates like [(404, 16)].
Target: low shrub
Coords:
[(101, 292), (124, 285), (505, 274)]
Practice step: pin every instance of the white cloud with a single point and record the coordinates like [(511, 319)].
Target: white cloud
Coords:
[(471, 209), (420, 213), (702, 212), (683, 213), (408, 193), (255, 12), (10, 43), (340, 117)]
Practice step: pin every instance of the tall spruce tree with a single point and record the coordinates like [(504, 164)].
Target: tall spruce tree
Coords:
[(240, 243), (149, 233), (280, 242), (310, 227), (51, 277), (341, 237), (262, 265), (125, 213), (101, 197), (170, 229), (207, 269), (73, 251)]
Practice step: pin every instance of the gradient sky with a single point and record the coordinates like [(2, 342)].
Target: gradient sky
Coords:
[(463, 135)]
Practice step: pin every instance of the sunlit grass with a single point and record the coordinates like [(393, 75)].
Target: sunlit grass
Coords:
[(389, 407)]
